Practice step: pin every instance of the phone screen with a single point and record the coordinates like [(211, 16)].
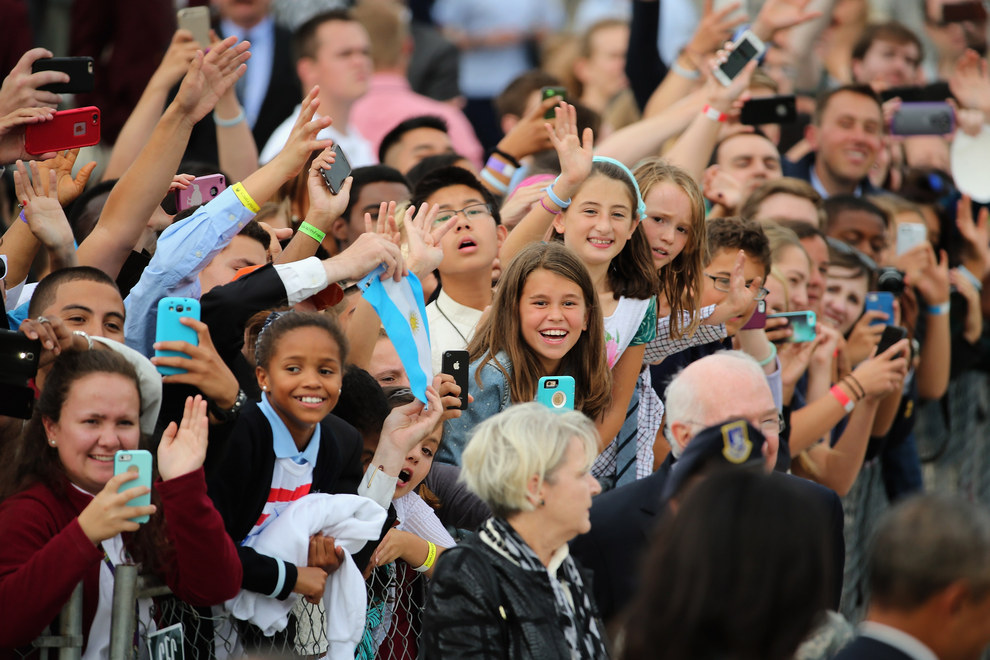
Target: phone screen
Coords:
[(744, 51), (340, 170)]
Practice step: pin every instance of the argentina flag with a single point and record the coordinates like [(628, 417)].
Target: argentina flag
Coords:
[(403, 314)]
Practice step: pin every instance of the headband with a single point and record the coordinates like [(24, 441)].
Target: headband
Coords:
[(641, 206)]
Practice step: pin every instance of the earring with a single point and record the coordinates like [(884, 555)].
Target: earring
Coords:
[(51, 441), (264, 388), (543, 502)]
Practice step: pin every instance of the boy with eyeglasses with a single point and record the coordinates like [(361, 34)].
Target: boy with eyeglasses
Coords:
[(726, 237), (470, 253)]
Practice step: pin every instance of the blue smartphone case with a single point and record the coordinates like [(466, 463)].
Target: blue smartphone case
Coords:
[(168, 328), (881, 301), (556, 393), (140, 461)]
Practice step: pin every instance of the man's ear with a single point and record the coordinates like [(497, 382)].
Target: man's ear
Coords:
[(857, 69), (305, 72), (811, 136), (681, 433)]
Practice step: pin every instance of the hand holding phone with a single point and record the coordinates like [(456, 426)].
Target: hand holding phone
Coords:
[(135, 460), (802, 325), (769, 110), (19, 358), (455, 363), (79, 70), (747, 47), (925, 118), (880, 301), (559, 93), (197, 21), (69, 129), (340, 170), (201, 190), (169, 328)]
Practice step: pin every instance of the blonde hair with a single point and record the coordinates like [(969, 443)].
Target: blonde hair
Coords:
[(506, 450)]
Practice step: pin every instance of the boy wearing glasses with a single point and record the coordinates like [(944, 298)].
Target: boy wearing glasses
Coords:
[(470, 253), (726, 237)]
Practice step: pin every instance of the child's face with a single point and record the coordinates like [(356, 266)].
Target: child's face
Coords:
[(418, 463), (303, 377), (599, 221), (473, 243), (844, 298), (552, 316), (668, 222)]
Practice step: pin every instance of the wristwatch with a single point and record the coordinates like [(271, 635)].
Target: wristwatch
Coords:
[(230, 414)]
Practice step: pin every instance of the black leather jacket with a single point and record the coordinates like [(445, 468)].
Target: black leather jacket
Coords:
[(481, 605)]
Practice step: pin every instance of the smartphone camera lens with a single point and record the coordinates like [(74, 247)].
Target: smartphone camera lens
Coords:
[(96, 118), (214, 192), (179, 308)]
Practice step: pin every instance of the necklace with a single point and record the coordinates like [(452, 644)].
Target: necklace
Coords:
[(443, 314)]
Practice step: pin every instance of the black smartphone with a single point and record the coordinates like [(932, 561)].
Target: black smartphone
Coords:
[(80, 70), (769, 110), (891, 335), (957, 12), (936, 91), (456, 363), (18, 365), (340, 170), (549, 93)]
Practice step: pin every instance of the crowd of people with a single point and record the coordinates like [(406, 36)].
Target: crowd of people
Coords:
[(682, 352)]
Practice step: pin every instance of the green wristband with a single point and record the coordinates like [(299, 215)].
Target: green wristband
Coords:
[(312, 232)]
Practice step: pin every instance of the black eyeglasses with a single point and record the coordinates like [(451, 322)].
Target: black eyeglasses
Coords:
[(472, 212), (724, 284)]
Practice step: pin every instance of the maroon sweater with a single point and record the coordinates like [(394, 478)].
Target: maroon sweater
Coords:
[(44, 554)]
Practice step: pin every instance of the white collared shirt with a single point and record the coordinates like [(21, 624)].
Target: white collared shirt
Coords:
[(898, 639)]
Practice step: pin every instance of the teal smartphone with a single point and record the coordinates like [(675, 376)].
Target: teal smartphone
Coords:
[(136, 460), (556, 393), (801, 323), (168, 328)]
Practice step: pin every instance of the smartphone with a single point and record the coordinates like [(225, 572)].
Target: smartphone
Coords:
[(758, 320), (549, 93), (957, 12), (197, 21), (340, 170), (747, 47), (168, 328), (80, 70), (18, 365), (891, 335), (556, 393), (880, 301), (936, 91), (925, 118), (200, 191), (136, 460), (802, 325), (769, 110), (910, 235), (69, 129), (456, 364)]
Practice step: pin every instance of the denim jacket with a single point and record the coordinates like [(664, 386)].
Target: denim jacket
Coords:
[(491, 398)]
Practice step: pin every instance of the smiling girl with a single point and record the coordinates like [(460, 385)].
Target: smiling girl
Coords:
[(545, 320)]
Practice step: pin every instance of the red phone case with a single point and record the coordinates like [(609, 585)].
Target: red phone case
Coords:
[(69, 129)]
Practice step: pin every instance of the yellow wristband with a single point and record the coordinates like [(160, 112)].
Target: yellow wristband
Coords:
[(312, 232), (431, 557), (245, 198)]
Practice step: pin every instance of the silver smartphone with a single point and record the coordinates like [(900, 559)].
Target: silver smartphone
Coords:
[(747, 47)]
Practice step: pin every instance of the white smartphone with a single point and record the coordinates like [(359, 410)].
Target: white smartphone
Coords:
[(910, 235), (747, 47), (197, 21)]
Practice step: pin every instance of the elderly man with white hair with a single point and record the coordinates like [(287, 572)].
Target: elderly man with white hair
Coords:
[(728, 385)]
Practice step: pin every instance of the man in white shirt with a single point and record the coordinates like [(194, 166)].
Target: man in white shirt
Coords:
[(929, 571), (333, 52)]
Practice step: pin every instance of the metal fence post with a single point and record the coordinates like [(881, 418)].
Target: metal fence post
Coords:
[(123, 622), (70, 626)]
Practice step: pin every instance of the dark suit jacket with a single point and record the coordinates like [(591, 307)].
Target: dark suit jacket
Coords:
[(281, 99), (867, 648), (623, 522), (802, 170)]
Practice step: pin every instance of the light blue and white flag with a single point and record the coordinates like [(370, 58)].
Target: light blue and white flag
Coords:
[(403, 314)]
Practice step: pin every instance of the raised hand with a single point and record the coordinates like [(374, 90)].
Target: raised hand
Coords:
[(175, 63), (183, 446), (528, 136), (882, 374), (210, 76), (522, 201), (20, 89), (863, 337), (205, 370), (54, 336), (970, 82), (108, 514), (365, 255), (12, 133), (406, 426), (933, 282), (42, 210), (69, 188), (739, 297), (321, 201), (423, 238), (575, 153), (976, 251), (777, 15), (714, 29), (303, 139)]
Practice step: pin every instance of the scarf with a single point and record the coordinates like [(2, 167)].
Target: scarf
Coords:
[(575, 615)]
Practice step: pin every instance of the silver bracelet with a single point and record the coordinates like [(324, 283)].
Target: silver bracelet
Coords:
[(227, 123)]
